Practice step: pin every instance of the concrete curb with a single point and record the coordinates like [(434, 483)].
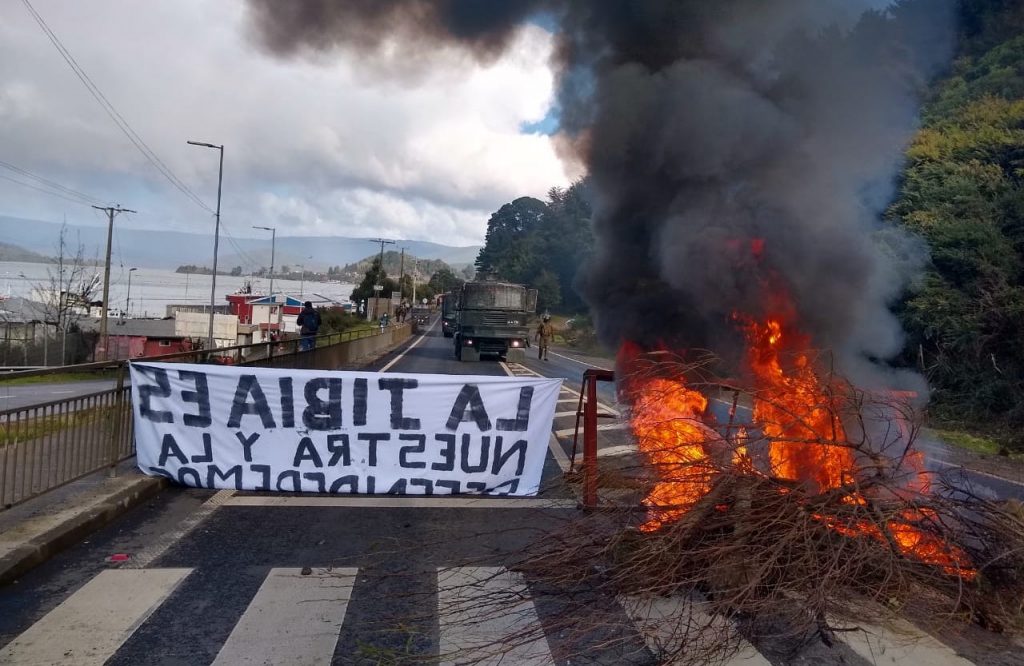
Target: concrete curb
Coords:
[(76, 527)]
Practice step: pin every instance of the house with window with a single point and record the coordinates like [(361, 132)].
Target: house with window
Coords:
[(273, 314), (134, 338)]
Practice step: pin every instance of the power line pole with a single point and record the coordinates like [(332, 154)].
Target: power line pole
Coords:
[(111, 211), (401, 277), (377, 288)]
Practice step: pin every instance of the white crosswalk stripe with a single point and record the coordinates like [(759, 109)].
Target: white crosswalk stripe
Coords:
[(902, 644), (486, 618), (93, 622), (293, 619), (664, 622)]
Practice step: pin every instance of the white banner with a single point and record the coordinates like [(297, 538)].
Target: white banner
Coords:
[(341, 432)]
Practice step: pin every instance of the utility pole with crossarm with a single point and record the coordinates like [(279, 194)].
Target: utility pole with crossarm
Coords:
[(111, 211), (377, 288)]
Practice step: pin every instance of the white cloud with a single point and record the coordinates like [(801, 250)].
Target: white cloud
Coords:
[(315, 148)]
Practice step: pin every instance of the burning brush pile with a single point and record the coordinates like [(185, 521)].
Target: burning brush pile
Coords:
[(803, 506)]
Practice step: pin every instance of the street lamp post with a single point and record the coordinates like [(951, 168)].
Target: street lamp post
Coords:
[(128, 298), (273, 245), (216, 238)]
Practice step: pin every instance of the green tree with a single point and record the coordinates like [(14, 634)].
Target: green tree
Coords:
[(445, 280), (508, 249), (374, 275), (542, 244), (549, 293), (961, 191)]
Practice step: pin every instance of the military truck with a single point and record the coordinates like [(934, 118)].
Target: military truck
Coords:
[(420, 318), (493, 318), (449, 314)]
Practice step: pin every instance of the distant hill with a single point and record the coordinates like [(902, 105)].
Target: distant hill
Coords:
[(170, 249), (11, 252), (424, 268)]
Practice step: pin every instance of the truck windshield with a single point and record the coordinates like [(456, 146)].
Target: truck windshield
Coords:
[(494, 297)]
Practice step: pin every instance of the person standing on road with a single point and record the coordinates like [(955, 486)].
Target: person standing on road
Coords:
[(545, 332), (309, 324)]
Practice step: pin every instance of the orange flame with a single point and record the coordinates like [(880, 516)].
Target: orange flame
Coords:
[(798, 413), (666, 422), (796, 410)]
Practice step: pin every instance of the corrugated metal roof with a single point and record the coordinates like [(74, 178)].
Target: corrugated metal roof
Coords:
[(149, 328)]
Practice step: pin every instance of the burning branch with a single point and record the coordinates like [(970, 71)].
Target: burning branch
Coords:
[(815, 510)]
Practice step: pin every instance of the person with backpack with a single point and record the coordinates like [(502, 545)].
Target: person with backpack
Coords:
[(309, 325)]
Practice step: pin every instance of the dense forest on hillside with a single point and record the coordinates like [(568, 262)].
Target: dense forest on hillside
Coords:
[(961, 191)]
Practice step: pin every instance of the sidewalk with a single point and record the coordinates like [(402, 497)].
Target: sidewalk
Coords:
[(32, 532)]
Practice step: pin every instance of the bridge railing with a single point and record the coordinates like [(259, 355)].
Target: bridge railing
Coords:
[(46, 444)]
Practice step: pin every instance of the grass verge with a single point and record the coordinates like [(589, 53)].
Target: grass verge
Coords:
[(33, 428), (58, 378), (974, 443)]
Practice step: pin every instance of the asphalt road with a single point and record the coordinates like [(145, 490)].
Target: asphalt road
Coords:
[(23, 395), (256, 578)]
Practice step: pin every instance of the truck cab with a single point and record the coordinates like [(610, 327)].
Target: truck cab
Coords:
[(493, 318), (449, 314)]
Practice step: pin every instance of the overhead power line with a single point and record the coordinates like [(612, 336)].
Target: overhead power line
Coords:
[(61, 191), (112, 112), (46, 191)]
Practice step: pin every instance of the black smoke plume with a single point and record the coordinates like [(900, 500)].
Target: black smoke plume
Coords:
[(737, 149)]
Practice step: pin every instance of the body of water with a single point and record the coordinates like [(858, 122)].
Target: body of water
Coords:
[(153, 289)]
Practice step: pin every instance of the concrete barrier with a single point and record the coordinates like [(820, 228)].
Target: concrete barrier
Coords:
[(341, 354)]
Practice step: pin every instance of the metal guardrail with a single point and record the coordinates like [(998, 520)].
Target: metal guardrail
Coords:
[(46, 445)]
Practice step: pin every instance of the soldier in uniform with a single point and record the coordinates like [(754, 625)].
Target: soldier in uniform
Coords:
[(545, 332)]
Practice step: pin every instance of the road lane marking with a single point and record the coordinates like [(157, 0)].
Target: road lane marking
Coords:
[(558, 453), (408, 349), (405, 502), (486, 617), (293, 619), (91, 624), (145, 556), (559, 415), (601, 427), (903, 644), (556, 449), (662, 622), (575, 360), (512, 367), (621, 450), (974, 471)]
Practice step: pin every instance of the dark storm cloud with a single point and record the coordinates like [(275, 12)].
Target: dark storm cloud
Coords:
[(738, 150)]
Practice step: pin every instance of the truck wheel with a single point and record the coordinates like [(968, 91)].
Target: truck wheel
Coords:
[(458, 348)]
